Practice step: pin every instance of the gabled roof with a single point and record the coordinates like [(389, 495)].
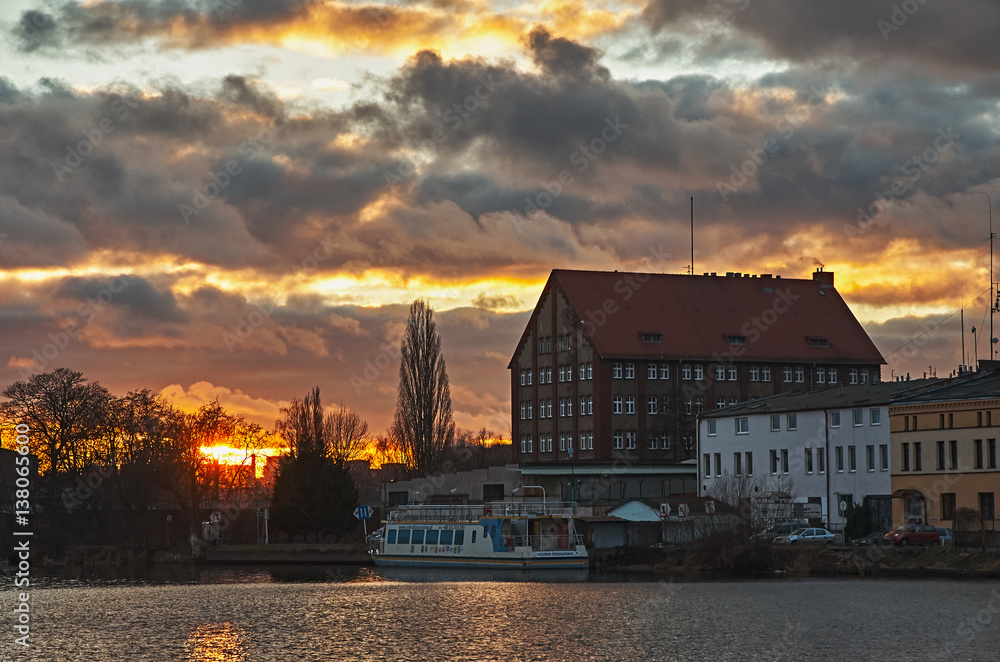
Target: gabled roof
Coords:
[(697, 317)]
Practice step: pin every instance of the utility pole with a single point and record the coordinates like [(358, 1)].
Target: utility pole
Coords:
[(993, 289)]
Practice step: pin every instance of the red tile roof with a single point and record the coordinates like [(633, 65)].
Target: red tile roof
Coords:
[(695, 314)]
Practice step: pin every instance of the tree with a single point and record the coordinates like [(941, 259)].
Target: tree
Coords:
[(67, 417), (422, 421), (313, 491)]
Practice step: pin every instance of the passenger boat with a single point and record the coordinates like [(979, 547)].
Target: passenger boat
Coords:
[(499, 534)]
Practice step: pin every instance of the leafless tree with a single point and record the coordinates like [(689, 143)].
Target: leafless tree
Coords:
[(301, 426), (423, 421), (346, 434)]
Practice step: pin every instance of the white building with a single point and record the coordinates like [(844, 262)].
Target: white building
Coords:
[(825, 450)]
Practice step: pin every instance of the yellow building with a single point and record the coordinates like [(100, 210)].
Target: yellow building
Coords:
[(944, 451)]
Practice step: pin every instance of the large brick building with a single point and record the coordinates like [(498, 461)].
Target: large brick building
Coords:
[(613, 368)]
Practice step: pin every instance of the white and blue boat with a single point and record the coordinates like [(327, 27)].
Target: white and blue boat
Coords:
[(494, 535)]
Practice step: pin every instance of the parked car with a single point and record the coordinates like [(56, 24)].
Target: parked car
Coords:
[(913, 534), (945, 536), (777, 531), (810, 536), (873, 539)]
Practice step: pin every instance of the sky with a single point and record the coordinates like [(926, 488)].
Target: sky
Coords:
[(239, 199)]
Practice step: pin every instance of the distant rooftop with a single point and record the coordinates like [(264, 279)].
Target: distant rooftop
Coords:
[(983, 385), (832, 397)]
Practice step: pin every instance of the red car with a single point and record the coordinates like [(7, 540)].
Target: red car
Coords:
[(913, 534)]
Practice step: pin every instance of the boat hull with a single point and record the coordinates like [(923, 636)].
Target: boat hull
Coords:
[(574, 562)]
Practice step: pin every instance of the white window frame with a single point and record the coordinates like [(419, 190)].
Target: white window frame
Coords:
[(629, 371), (617, 403), (616, 370), (713, 427), (651, 371), (630, 404), (742, 424)]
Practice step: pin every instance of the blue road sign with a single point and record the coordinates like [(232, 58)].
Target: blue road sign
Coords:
[(363, 512)]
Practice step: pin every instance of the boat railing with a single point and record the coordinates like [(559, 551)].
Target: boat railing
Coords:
[(473, 512)]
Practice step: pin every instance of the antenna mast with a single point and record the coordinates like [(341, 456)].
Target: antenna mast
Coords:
[(692, 241)]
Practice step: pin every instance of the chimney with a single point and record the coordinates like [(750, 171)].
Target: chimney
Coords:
[(824, 278)]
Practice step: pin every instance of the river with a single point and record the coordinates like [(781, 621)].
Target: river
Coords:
[(304, 614)]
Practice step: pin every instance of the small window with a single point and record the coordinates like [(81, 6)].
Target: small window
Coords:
[(392, 536), (404, 538), (460, 537), (775, 422), (706, 461), (859, 417), (818, 342), (736, 340), (793, 422), (418, 537), (652, 337), (432, 537), (742, 425), (713, 428), (834, 419), (473, 537), (447, 536)]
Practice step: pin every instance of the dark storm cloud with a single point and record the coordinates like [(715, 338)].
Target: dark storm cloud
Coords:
[(564, 58), (941, 35), (132, 292)]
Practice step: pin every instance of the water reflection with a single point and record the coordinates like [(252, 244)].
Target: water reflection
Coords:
[(217, 642)]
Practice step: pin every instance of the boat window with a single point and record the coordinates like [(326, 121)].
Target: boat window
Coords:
[(404, 538), (486, 530), (460, 537), (392, 536), (446, 537), (473, 535), (493, 531), (418, 537), (432, 537)]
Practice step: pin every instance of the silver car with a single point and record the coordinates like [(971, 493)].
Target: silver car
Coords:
[(946, 537), (810, 536)]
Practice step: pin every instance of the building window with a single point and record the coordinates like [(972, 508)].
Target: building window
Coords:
[(733, 401), (904, 459), (859, 417), (652, 337), (590, 371), (541, 408), (787, 375), (774, 462), (821, 460), (838, 454), (765, 374), (523, 444), (991, 454), (652, 442), (809, 460), (948, 505), (616, 404), (664, 371), (619, 440), (630, 439), (629, 371), (775, 422), (742, 425), (686, 372), (800, 375), (820, 376), (562, 406), (754, 373), (793, 421), (940, 456), (870, 456), (720, 402), (562, 442), (687, 407), (530, 406), (852, 458), (524, 409), (590, 405), (583, 371), (953, 455), (736, 340), (562, 374), (630, 404), (531, 444), (883, 450), (651, 371), (651, 405), (818, 342), (548, 408), (986, 510), (616, 370), (784, 460), (737, 464), (979, 454), (834, 419), (748, 456), (699, 373), (718, 465), (917, 463), (720, 373), (864, 376), (665, 442), (854, 376), (832, 374), (713, 428), (522, 378), (583, 405), (733, 374), (699, 405), (876, 416), (590, 440), (706, 460)]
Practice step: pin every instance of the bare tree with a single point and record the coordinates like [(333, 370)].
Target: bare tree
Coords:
[(346, 434), (423, 421), (67, 416), (301, 426)]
